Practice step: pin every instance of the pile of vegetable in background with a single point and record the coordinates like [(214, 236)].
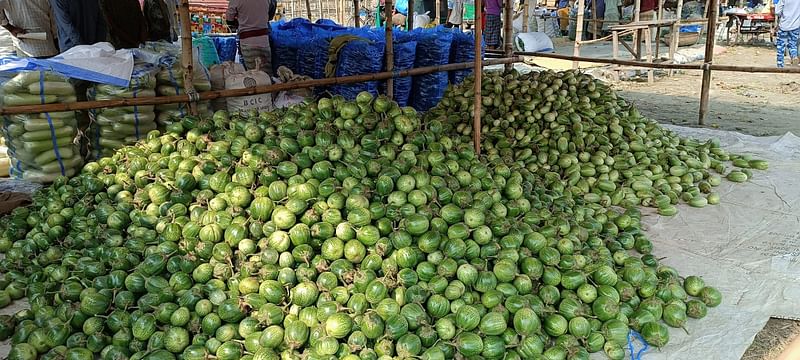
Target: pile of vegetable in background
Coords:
[(113, 128), (352, 230), (170, 82), (41, 146), (580, 137)]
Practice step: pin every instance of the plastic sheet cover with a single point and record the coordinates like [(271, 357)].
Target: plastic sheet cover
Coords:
[(748, 247)]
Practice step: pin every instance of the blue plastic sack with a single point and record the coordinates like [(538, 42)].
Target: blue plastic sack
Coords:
[(226, 47), (287, 39), (433, 48), (691, 28), (363, 56), (463, 50), (405, 52)]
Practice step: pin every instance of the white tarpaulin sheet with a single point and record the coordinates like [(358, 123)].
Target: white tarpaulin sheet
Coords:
[(748, 247)]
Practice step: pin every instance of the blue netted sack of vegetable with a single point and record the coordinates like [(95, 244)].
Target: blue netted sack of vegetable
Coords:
[(356, 53), (113, 128), (405, 53), (42, 146), (169, 82), (462, 50), (433, 48)]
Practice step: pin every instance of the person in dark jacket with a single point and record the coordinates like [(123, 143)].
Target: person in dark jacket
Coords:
[(79, 22), (157, 17), (126, 25)]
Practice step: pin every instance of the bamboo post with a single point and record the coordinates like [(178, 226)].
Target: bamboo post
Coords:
[(478, 102), (659, 17), (526, 13), (388, 7), (708, 60), (292, 9), (410, 17), (321, 9), (594, 19), (308, 9), (357, 13), (676, 31), (186, 55), (637, 7), (578, 32), (508, 31)]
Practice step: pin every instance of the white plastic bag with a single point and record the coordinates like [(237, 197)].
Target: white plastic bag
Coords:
[(249, 79), (421, 21), (533, 42), (218, 75)]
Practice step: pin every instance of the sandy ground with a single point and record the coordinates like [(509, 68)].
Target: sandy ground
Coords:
[(755, 104)]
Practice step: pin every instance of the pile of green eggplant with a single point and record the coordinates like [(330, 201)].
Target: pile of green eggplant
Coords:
[(576, 132), (334, 230)]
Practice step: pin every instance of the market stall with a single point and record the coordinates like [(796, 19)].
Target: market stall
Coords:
[(509, 218)]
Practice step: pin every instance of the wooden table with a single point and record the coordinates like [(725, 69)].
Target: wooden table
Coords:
[(640, 30), (749, 24)]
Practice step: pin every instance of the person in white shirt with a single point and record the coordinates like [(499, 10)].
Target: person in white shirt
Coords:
[(787, 13), (455, 13), (27, 17)]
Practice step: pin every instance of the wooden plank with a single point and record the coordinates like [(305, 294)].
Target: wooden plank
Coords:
[(708, 59), (526, 14), (508, 31), (387, 21), (630, 49), (615, 51), (186, 53), (478, 73), (648, 53), (578, 32)]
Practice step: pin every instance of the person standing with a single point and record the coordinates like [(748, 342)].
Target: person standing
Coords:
[(612, 14), (787, 13), (493, 23), (79, 22), (126, 26), (157, 15), (21, 17), (251, 19), (564, 7), (455, 13)]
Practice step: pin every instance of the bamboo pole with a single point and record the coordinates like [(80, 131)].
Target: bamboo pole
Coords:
[(308, 9), (217, 94), (526, 14), (579, 32), (321, 10), (508, 22), (357, 13), (478, 71), (388, 7), (708, 60), (676, 31), (186, 55), (728, 68), (410, 17)]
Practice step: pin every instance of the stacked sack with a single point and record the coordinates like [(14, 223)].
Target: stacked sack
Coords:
[(41, 147), (169, 82), (113, 128)]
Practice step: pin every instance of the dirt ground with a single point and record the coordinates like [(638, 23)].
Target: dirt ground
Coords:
[(755, 104)]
